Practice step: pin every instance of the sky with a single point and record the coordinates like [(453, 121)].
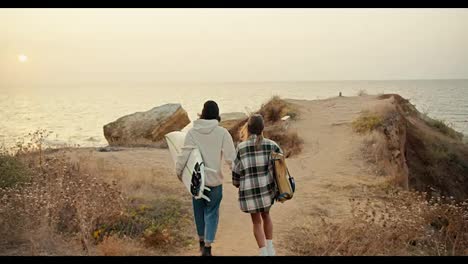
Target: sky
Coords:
[(71, 46)]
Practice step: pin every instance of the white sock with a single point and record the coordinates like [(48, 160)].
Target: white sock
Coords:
[(263, 251), (270, 248)]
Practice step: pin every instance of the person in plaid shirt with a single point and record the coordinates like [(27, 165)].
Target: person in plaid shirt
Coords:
[(252, 173)]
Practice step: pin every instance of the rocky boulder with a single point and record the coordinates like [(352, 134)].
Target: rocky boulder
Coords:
[(146, 128)]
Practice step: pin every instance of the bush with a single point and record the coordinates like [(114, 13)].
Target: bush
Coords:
[(362, 92), (272, 112), (13, 171), (366, 123), (275, 109)]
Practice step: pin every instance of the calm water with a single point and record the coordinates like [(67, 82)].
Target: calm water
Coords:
[(76, 115)]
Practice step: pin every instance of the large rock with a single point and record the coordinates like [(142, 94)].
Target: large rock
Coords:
[(230, 120), (146, 128)]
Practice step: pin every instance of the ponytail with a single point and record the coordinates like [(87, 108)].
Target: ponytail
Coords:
[(255, 126), (258, 142)]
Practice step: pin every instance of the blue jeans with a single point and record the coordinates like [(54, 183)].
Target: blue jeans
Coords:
[(207, 213)]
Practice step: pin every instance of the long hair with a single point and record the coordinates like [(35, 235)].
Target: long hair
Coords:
[(255, 126)]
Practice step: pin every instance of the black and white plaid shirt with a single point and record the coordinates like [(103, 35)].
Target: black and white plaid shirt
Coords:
[(253, 173)]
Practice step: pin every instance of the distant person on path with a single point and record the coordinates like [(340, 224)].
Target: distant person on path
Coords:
[(214, 143), (252, 173)]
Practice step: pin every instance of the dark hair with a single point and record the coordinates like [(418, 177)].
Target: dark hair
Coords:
[(210, 111), (255, 126)]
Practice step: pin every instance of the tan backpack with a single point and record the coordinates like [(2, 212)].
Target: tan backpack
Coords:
[(284, 182)]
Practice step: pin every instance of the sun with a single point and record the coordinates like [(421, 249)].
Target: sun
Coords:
[(22, 58)]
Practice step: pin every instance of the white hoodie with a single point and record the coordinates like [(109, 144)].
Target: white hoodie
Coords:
[(214, 143)]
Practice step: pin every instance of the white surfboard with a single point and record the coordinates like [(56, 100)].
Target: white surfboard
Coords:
[(193, 175)]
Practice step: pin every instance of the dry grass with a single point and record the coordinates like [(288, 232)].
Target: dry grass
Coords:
[(61, 199), (161, 224), (66, 208), (399, 223), (375, 151), (122, 246)]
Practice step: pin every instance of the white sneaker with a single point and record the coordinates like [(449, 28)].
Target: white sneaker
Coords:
[(271, 251), (263, 251), (270, 248)]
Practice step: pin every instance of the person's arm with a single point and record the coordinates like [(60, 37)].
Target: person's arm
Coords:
[(229, 151), (183, 157), (237, 170)]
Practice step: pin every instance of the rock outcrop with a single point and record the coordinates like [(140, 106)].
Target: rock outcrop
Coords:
[(146, 128), (420, 155)]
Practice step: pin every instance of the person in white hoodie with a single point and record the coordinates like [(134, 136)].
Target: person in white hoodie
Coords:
[(214, 143)]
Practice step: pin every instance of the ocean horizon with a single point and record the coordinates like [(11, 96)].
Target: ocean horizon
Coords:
[(75, 114)]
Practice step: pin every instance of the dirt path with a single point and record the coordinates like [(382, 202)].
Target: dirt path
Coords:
[(328, 172)]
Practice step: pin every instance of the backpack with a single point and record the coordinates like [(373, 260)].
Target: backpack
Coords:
[(285, 184)]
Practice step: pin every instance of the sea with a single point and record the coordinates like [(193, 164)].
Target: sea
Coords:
[(75, 115)]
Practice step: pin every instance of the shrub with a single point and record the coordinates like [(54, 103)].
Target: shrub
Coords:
[(275, 109), (366, 122), (13, 171), (272, 112), (362, 92)]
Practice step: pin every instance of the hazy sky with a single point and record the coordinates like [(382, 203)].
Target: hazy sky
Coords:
[(153, 45)]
